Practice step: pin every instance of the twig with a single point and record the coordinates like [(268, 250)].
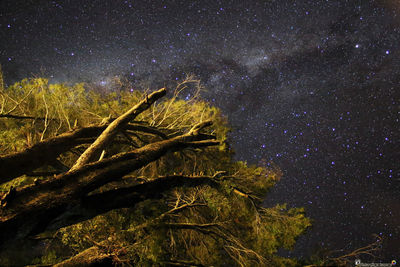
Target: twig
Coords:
[(19, 103), (45, 119)]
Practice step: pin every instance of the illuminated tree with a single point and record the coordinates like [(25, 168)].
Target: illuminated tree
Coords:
[(127, 177)]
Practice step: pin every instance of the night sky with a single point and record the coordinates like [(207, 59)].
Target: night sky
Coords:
[(312, 86)]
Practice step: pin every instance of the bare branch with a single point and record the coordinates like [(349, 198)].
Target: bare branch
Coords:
[(19, 103), (46, 122), (162, 216), (114, 126), (370, 250), (198, 127)]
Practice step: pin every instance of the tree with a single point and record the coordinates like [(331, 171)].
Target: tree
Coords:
[(126, 177)]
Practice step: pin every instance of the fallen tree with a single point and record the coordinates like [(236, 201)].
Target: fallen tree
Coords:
[(76, 171)]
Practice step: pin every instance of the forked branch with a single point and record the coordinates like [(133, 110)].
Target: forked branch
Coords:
[(115, 126)]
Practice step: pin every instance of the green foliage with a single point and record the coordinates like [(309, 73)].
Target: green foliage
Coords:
[(48, 258), (209, 225)]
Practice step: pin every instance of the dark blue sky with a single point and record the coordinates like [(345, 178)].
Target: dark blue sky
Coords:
[(311, 85)]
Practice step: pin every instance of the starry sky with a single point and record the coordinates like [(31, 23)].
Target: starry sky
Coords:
[(312, 86)]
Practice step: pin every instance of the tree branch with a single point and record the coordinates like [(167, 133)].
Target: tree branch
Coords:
[(24, 162), (34, 207), (128, 197), (93, 256), (20, 117), (146, 129), (115, 126), (162, 216), (44, 152)]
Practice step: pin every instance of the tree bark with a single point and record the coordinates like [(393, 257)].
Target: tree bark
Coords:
[(24, 162), (115, 126), (43, 153)]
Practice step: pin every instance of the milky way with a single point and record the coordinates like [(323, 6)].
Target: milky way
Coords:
[(312, 86)]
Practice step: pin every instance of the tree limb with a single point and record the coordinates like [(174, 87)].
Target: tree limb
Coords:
[(19, 163), (34, 207), (93, 256), (100, 203), (24, 162), (115, 126)]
